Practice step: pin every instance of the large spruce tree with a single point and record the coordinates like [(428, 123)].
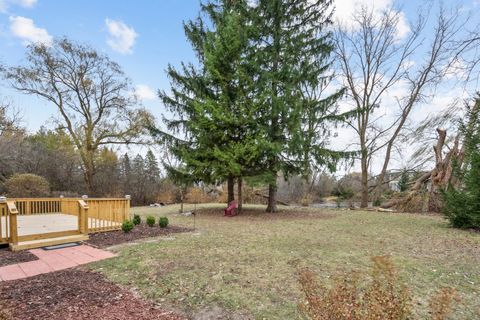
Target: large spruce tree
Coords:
[(214, 115), (255, 102), (292, 52)]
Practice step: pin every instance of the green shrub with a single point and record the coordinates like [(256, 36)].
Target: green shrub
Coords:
[(127, 226), (342, 192), (403, 181), (136, 219), (461, 204), (163, 222), (151, 221), (27, 185), (462, 209)]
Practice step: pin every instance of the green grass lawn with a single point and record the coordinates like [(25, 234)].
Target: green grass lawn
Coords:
[(248, 265)]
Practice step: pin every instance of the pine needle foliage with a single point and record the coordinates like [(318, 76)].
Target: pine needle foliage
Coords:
[(462, 204)]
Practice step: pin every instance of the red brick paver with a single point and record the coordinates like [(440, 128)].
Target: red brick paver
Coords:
[(34, 268), (12, 272), (53, 260)]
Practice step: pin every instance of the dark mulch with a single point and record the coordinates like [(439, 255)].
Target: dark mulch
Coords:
[(8, 257), (74, 294), (107, 239), (293, 213)]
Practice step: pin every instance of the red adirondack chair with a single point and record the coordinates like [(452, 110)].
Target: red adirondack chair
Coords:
[(231, 210)]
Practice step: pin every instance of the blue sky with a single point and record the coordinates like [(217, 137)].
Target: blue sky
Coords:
[(160, 40)]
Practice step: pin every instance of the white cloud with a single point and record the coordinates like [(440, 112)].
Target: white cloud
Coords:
[(403, 29), (345, 9), (456, 69), (122, 37), (144, 92), (407, 64), (27, 3), (4, 4), (24, 28)]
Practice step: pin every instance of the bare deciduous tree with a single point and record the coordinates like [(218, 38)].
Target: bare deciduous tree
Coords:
[(374, 60), (11, 136), (92, 94)]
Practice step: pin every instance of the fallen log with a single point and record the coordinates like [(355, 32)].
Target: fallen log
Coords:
[(372, 209), (385, 210), (266, 197), (440, 177)]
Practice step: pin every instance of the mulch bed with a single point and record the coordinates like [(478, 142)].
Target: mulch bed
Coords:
[(260, 214), (74, 294), (8, 257), (107, 239)]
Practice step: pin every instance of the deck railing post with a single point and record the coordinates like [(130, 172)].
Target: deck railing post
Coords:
[(127, 207), (12, 212), (62, 206), (83, 217)]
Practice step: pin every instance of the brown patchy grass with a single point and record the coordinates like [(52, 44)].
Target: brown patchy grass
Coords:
[(250, 263), (382, 297)]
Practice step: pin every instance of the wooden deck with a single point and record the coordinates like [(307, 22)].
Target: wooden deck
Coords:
[(53, 222), (27, 223)]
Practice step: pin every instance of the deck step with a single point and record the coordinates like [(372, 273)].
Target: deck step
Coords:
[(25, 245)]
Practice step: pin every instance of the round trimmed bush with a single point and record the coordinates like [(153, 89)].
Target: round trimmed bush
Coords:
[(27, 185), (151, 221), (136, 219), (163, 222), (127, 226)]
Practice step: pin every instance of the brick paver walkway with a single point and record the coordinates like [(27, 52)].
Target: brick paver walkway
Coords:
[(53, 260)]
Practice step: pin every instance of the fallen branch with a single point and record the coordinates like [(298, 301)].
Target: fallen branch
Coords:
[(266, 197), (372, 209)]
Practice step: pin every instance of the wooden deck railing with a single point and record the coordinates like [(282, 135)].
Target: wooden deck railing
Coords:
[(107, 214), (82, 217), (12, 212), (8, 222), (27, 206), (4, 223), (94, 214)]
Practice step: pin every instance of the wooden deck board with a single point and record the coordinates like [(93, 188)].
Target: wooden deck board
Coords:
[(25, 245), (47, 223)]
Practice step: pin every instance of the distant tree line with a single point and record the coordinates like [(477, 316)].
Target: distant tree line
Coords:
[(51, 154)]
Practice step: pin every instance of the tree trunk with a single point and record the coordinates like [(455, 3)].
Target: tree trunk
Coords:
[(239, 194), (441, 176), (272, 197), (181, 199), (388, 154), (89, 171), (377, 191), (364, 201), (230, 187)]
